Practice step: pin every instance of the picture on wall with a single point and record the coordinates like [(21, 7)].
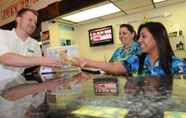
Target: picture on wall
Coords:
[(66, 34), (45, 39), (45, 36)]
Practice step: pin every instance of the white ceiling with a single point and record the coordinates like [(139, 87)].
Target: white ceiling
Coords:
[(132, 6), (128, 7)]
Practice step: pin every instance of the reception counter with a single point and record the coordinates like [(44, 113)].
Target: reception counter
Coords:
[(87, 95)]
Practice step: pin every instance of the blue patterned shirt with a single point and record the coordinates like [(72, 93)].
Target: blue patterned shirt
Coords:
[(132, 66), (120, 53)]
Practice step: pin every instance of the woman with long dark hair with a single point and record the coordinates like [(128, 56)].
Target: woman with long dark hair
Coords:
[(154, 40)]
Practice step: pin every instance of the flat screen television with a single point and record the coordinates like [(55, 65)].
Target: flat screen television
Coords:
[(101, 36)]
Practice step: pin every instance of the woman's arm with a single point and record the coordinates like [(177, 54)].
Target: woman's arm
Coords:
[(111, 68)]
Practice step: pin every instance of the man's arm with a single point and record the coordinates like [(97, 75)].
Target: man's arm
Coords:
[(23, 90), (17, 60)]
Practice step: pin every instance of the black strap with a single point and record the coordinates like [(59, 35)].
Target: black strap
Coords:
[(141, 62)]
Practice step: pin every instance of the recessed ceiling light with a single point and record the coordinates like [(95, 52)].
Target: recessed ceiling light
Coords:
[(157, 1), (92, 13)]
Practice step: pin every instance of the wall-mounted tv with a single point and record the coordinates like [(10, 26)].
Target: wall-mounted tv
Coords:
[(101, 36)]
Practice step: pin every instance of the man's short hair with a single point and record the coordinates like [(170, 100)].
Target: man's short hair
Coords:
[(24, 10)]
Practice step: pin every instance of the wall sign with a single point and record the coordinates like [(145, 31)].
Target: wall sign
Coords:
[(12, 9)]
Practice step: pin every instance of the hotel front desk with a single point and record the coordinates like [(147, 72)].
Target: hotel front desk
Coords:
[(86, 95)]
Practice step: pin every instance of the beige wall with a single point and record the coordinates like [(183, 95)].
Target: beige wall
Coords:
[(54, 35), (174, 21)]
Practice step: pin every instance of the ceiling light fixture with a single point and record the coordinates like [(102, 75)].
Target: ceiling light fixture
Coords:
[(92, 13), (157, 1)]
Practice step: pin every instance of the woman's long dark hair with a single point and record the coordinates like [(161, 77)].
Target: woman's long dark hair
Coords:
[(161, 38)]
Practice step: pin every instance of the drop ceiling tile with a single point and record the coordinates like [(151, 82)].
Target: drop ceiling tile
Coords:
[(130, 6), (140, 9), (169, 2)]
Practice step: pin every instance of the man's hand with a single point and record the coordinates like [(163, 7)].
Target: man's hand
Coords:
[(45, 61)]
